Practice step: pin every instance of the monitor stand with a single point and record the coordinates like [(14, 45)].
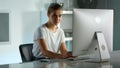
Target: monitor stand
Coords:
[(98, 50)]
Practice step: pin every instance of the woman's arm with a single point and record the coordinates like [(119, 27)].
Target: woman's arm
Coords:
[(64, 51), (46, 52)]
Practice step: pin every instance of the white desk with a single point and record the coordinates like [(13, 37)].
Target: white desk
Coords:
[(114, 63)]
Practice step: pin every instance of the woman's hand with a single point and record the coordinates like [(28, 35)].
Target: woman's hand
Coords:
[(69, 55)]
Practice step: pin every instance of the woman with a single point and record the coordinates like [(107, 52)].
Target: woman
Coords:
[(49, 39)]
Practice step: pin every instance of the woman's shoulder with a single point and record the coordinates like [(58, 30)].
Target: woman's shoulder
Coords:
[(40, 28), (60, 29)]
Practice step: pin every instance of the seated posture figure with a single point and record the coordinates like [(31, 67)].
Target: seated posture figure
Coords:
[(49, 39)]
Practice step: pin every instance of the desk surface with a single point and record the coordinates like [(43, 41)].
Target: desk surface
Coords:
[(113, 63)]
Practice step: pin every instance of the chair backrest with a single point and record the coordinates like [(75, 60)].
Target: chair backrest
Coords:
[(26, 52)]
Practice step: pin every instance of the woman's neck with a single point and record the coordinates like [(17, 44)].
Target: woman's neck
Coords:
[(51, 26)]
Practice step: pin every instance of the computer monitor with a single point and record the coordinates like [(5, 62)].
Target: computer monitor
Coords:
[(86, 22)]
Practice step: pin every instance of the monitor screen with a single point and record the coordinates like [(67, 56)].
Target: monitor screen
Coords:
[(88, 21)]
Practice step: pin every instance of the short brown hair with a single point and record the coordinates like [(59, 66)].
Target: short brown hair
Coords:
[(53, 7)]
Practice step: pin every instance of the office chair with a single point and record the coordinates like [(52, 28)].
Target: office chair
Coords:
[(26, 52)]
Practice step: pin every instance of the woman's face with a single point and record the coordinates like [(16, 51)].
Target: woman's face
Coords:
[(55, 17)]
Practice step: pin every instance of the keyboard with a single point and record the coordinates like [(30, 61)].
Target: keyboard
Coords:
[(78, 58)]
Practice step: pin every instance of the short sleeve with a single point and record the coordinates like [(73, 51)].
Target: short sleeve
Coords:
[(38, 34)]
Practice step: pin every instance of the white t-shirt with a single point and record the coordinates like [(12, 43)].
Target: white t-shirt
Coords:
[(53, 40)]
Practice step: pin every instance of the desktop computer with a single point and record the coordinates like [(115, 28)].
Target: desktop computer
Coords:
[(93, 33)]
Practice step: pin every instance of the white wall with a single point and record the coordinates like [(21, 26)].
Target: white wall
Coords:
[(24, 18)]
